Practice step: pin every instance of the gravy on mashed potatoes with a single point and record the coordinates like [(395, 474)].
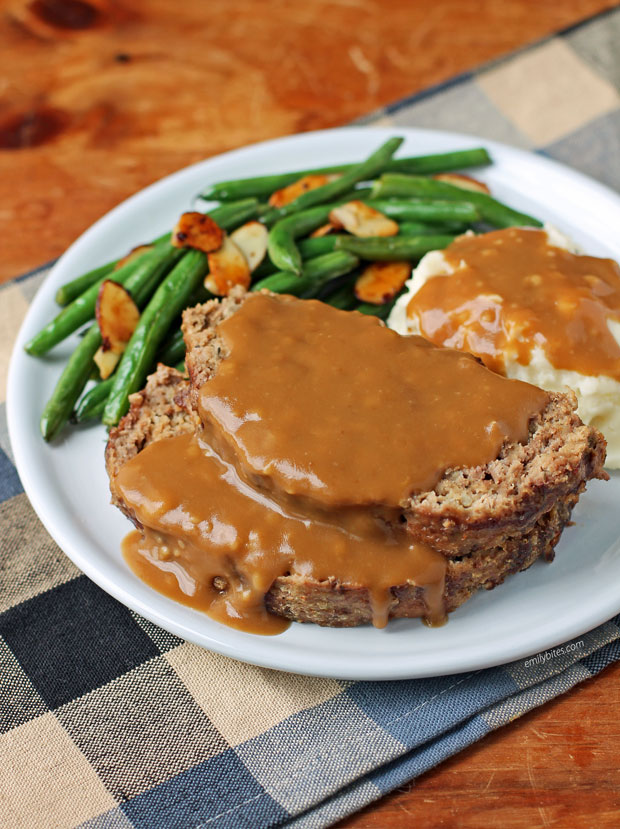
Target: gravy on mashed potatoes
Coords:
[(529, 307)]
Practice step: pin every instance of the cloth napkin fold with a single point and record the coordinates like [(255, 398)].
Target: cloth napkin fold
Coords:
[(108, 721)]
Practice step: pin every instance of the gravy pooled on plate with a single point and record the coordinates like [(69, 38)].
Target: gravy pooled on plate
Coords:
[(318, 426)]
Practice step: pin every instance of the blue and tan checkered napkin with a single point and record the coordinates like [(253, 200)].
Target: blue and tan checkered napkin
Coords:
[(107, 721)]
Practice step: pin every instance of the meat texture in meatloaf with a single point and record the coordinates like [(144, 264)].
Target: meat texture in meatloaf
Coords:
[(154, 414), (489, 521), (162, 409), (470, 509)]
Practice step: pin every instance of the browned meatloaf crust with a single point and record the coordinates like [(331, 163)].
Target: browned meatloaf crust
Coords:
[(163, 409)]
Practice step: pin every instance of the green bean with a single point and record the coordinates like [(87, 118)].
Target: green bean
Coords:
[(392, 248), (91, 405), (141, 283), (311, 248), (263, 186), (430, 228), (82, 309), (173, 349), (342, 298), (426, 209), (368, 169), (230, 216), (308, 248), (227, 216), (167, 303), (70, 384), (286, 256), (381, 311), (266, 268), (71, 290), (491, 210), (282, 249), (316, 272), (95, 374), (271, 216)]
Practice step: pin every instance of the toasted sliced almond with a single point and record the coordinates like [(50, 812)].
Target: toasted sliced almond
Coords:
[(251, 239), (288, 194), (227, 267), (379, 282), (133, 254), (324, 230), (463, 181), (117, 316), (361, 220), (197, 230), (106, 361)]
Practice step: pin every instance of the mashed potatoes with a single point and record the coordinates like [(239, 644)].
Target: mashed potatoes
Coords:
[(598, 395)]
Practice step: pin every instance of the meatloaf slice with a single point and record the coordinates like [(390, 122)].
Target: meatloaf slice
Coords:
[(156, 412), (162, 409), (481, 508)]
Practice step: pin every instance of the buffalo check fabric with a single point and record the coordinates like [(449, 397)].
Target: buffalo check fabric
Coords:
[(108, 722)]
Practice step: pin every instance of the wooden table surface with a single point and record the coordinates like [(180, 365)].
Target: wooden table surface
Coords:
[(100, 98)]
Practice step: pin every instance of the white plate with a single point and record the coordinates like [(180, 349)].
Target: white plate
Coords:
[(67, 485)]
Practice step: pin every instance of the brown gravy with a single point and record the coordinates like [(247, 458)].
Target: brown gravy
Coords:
[(318, 426), (512, 291), (333, 406), (205, 523)]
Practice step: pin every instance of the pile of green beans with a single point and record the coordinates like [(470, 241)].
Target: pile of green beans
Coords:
[(337, 188), (227, 216), (395, 185), (167, 303), (141, 283), (392, 248), (163, 279), (263, 186), (316, 273)]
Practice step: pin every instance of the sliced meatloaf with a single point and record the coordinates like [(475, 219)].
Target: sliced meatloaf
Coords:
[(470, 509), (154, 413), (561, 456)]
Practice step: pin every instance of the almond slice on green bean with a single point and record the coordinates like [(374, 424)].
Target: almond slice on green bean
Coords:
[(324, 230), (463, 181), (227, 267), (251, 239), (361, 220), (133, 254), (198, 231), (117, 316), (379, 282), (288, 194)]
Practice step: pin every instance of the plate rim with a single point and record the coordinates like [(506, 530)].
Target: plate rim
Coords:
[(552, 638)]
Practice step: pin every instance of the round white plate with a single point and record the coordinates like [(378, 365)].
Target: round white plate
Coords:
[(68, 488)]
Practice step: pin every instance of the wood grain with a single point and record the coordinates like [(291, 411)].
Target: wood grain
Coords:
[(558, 766), (99, 98)]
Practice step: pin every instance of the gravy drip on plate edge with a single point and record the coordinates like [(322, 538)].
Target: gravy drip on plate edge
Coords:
[(512, 291), (318, 426)]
